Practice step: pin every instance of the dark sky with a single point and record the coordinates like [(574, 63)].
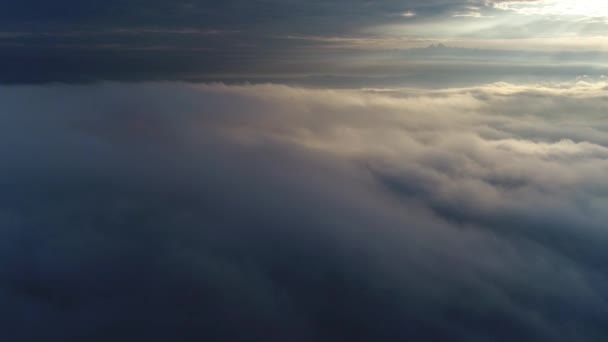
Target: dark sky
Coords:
[(91, 40), (304, 42)]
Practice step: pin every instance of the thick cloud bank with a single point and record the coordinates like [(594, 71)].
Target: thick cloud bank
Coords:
[(174, 212)]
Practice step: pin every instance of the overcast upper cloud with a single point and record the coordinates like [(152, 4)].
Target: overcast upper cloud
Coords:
[(168, 211), (287, 41)]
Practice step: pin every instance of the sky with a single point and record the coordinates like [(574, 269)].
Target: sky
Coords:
[(315, 43), (289, 170)]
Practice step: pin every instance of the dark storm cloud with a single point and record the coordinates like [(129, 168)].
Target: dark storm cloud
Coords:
[(284, 61), (253, 15), (70, 41), (299, 42), (269, 213)]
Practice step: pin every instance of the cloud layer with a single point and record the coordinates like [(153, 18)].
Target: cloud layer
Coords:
[(167, 211), (200, 40)]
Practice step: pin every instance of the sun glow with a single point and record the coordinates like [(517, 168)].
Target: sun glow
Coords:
[(578, 8)]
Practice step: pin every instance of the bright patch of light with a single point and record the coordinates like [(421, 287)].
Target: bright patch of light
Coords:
[(578, 8)]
